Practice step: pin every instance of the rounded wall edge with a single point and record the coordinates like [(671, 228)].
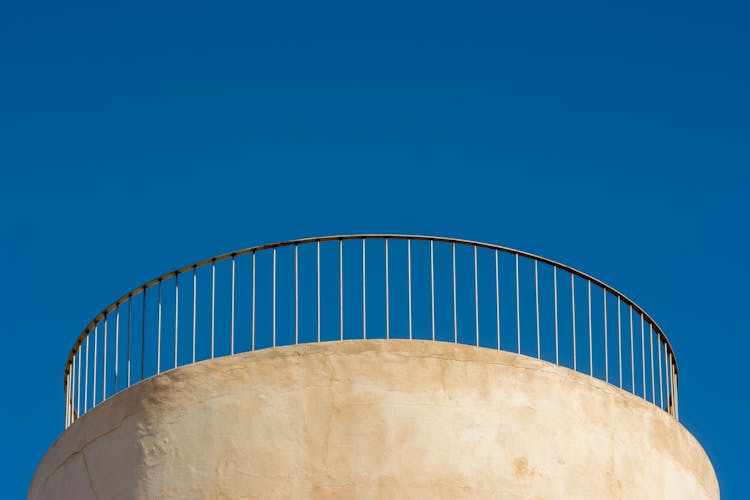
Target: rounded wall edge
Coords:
[(375, 419)]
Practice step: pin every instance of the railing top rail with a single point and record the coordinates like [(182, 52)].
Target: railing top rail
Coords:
[(302, 241)]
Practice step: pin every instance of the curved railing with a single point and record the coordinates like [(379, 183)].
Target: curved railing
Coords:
[(368, 287)]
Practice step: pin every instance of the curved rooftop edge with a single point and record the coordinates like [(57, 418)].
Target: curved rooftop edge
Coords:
[(137, 336), (375, 419)]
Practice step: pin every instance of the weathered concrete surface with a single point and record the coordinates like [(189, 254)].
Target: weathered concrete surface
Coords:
[(375, 419)]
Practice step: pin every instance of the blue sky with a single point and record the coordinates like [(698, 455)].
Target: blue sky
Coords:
[(136, 138)]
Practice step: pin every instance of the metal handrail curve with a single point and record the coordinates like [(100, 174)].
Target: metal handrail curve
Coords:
[(671, 378)]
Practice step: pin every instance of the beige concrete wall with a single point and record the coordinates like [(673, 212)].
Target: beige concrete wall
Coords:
[(375, 419)]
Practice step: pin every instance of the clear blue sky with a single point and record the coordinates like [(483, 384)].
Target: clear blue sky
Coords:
[(136, 138)]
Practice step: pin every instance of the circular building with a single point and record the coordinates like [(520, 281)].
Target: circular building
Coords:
[(373, 366)]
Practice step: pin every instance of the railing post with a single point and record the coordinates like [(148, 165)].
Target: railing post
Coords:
[(432, 287), (408, 272), (591, 347), (536, 304), (96, 355), (341, 289), (476, 298), (455, 314), (387, 296), (104, 361), (195, 307), (573, 317), (158, 333), (518, 311), (231, 328), (117, 343), (177, 313), (554, 286), (364, 292), (497, 298)]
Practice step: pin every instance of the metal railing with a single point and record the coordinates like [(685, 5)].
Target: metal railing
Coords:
[(368, 287)]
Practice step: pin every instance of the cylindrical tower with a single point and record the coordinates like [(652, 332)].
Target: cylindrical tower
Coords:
[(373, 366)]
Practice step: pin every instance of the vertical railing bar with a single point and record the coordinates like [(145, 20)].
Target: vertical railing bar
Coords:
[(643, 357), (158, 334), (677, 388), (195, 306), (408, 272), (518, 311), (632, 355), (96, 350), (668, 374), (117, 343), (554, 286), (67, 391), (67, 385), (71, 391), (674, 387), (341, 289), (432, 287), (296, 294), (651, 347), (668, 382), (658, 353), (606, 346), (74, 399), (69, 403), (671, 382), (104, 362), (130, 321), (73, 411), (176, 314), (364, 291), (252, 307), (476, 297), (591, 337), (213, 307), (143, 335), (318, 280), (497, 298), (667, 366), (75, 376), (67, 398), (573, 316), (455, 315), (619, 341), (231, 327), (536, 304), (72, 416), (86, 379), (387, 293), (273, 329), (78, 399), (671, 385)]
